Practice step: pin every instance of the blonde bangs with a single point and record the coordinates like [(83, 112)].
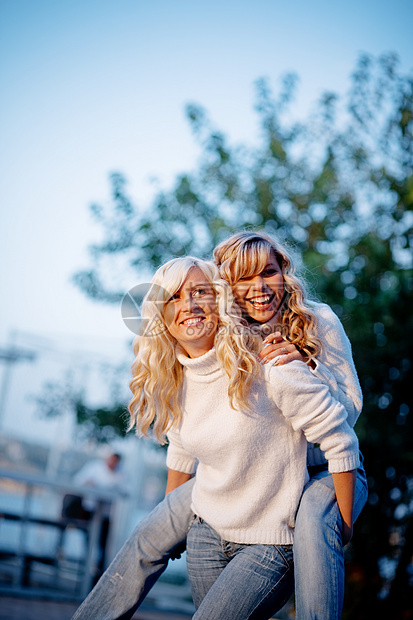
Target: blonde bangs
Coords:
[(251, 259), (246, 260), (170, 278)]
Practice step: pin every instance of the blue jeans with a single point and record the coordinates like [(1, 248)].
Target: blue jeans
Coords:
[(141, 560), (234, 581), (145, 555), (318, 549)]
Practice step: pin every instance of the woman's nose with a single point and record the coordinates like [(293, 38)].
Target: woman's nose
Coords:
[(190, 303), (258, 281)]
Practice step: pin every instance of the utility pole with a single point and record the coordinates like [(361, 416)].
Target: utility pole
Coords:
[(11, 355)]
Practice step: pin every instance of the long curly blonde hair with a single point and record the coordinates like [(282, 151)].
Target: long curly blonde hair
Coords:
[(157, 375), (246, 254)]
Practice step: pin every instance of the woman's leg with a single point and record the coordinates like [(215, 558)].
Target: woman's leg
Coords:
[(318, 549), (236, 582), (141, 561), (205, 559)]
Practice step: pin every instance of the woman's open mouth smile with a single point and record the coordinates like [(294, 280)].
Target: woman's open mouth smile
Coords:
[(196, 320), (261, 302)]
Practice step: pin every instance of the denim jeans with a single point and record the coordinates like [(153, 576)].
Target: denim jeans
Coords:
[(318, 554), (318, 549), (236, 581), (141, 560)]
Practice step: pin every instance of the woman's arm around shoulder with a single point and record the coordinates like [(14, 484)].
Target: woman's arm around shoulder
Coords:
[(309, 407)]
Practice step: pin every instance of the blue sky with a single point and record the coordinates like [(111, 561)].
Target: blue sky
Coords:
[(94, 86)]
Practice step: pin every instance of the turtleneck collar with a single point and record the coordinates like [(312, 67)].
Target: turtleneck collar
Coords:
[(204, 365), (263, 329)]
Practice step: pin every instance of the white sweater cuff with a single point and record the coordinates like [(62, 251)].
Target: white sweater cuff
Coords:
[(186, 465), (338, 466)]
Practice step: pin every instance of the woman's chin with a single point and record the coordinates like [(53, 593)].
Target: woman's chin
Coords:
[(261, 316)]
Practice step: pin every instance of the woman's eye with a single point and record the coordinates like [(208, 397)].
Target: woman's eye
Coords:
[(173, 298), (269, 272), (198, 292)]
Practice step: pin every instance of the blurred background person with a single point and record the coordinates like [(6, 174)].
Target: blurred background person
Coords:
[(100, 474)]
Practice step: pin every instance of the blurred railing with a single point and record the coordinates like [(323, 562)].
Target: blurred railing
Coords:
[(52, 568)]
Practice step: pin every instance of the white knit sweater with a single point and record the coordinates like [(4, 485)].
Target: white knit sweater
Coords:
[(252, 466), (335, 367)]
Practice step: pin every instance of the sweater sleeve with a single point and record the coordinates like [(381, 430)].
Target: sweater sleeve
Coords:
[(335, 365), (310, 408), (177, 457)]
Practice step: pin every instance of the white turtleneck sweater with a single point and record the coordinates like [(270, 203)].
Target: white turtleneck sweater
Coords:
[(251, 467)]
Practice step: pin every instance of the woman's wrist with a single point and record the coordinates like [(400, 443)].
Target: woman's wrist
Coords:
[(306, 359)]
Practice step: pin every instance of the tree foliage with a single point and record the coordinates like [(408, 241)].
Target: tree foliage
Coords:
[(65, 397), (339, 187)]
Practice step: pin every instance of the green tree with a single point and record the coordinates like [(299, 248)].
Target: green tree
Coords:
[(339, 187), (67, 396)]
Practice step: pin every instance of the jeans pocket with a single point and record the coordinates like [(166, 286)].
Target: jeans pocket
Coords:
[(286, 552)]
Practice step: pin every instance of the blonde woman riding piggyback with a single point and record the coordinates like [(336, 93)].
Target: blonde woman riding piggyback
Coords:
[(263, 277), (273, 300)]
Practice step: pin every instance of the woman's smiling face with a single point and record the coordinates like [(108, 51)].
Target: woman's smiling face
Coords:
[(260, 295), (191, 315)]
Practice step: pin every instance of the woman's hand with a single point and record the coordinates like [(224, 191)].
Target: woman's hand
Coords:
[(345, 488), (274, 345), (346, 534)]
